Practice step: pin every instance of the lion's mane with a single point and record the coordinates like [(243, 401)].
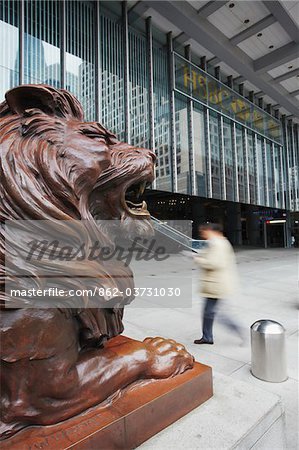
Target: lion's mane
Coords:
[(39, 183)]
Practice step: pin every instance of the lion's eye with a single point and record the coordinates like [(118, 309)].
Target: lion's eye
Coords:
[(93, 135)]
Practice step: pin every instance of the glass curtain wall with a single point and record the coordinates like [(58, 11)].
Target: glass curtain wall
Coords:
[(292, 169), (261, 171), (228, 160), (215, 155), (162, 119), (270, 174), (241, 164), (112, 111), (251, 167), (80, 54), (41, 42), (277, 176), (199, 151), (138, 88), (182, 145), (9, 46), (296, 168)]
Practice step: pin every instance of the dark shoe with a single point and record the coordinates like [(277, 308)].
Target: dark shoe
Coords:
[(202, 341)]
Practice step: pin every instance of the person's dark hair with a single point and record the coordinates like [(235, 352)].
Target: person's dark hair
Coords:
[(211, 226)]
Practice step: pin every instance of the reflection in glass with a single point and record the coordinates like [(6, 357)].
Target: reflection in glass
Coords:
[(241, 164), (251, 167), (182, 146), (261, 171), (199, 151), (112, 113), (228, 159), (296, 166), (277, 174), (9, 46), (215, 155), (162, 119), (193, 81), (292, 171), (138, 85), (80, 54), (270, 174), (41, 43)]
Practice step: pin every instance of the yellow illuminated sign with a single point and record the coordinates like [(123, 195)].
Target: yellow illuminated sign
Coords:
[(201, 86)]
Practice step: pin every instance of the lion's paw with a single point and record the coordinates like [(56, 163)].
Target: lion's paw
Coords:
[(167, 358)]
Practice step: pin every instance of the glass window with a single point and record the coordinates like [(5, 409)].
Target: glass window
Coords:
[(162, 114), (296, 169), (80, 54), (9, 46), (215, 155), (182, 145), (112, 113), (270, 174), (261, 171), (251, 167), (138, 90), (199, 151), (241, 164), (41, 43), (228, 160), (277, 175), (292, 165)]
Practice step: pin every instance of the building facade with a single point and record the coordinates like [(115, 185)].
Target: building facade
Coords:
[(220, 156)]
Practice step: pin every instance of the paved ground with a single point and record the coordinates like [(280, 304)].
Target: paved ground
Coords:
[(269, 290)]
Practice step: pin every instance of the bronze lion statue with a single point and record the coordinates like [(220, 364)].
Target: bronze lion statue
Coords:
[(55, 361)]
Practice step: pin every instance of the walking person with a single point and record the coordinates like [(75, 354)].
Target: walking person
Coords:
[(218, 278)]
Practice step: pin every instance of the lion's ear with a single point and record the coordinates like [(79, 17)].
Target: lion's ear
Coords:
[(31, 96)]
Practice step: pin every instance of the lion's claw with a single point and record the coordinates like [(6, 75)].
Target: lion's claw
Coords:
[(167, 358)]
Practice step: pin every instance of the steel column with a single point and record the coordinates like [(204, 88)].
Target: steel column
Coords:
[(21, 40), (296, 154), (191, 149), (266, 172), (150, 87), (288, 182), (149, 48), (235, 163), (294, 169), (62, 24), (172, 112), (208, 156), (98, 64), (274, 175), (246, 166), (281, 177), (126, 72), (257, 172), (222, 160)]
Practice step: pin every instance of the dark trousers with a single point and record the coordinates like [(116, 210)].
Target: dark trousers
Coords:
[(210, 309), (208, 318)]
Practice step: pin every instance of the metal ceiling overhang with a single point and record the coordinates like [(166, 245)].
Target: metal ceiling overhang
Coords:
[(184, 17)]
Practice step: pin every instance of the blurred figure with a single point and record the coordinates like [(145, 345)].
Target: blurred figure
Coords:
[(218, 278)]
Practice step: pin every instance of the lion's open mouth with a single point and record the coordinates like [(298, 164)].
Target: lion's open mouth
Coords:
[(132, 200)]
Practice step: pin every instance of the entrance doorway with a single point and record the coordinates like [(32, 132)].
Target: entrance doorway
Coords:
[(275, 233)]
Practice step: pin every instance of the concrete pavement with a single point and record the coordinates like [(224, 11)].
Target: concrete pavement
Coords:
[(269, 290)]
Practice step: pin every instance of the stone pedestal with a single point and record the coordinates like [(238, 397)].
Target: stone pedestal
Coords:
[(132, 417)]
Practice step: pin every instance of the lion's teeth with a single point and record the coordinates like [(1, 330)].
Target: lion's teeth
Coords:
[(144, 205), (142, 187)]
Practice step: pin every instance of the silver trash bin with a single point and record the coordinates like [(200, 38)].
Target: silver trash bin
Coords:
[(268, 354)]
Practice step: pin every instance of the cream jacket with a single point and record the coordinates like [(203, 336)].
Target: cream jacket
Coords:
[(218, 269)]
